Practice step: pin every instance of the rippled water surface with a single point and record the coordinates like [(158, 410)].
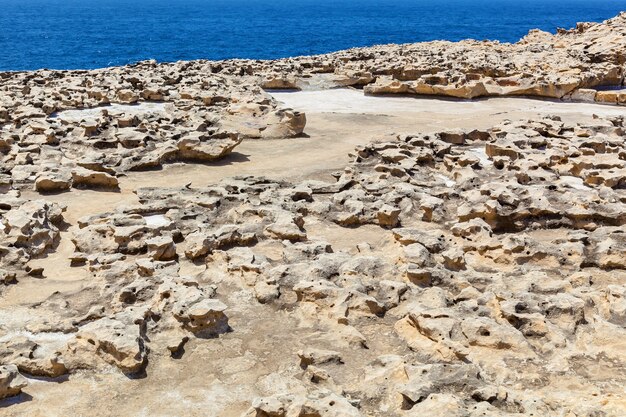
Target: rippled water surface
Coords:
[(95, 33)]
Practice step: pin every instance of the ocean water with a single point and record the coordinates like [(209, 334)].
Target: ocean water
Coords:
[(76, 34)]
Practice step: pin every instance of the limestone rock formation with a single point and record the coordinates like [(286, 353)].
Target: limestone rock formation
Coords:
[(471, 283), (458, 272), (575, 64), (28, 228), (11, 381), (84, 128)]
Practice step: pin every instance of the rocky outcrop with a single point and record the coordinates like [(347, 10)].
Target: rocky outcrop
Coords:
[(575, 64), (11, 381), (82, 129), (462, 273), (321, 403), (505, 247), (28, 229), (204, 109)]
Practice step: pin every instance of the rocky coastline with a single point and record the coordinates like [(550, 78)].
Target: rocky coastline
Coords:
[(460, 271)]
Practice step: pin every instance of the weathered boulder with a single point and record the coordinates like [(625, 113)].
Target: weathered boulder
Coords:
[(11, 381), (118, 341)]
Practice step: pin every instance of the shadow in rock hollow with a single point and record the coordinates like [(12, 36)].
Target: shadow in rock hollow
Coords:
[(230, 159), (18, 399)]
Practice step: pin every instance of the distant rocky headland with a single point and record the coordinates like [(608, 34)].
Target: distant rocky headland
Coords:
[(174, 239)]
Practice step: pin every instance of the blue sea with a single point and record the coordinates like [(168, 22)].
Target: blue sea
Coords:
[(80, 34)]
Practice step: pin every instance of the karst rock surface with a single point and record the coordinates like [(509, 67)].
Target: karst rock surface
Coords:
[(495, 285), (577, 64)]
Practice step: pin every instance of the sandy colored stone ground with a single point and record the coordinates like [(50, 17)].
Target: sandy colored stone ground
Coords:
[(218, 377)]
